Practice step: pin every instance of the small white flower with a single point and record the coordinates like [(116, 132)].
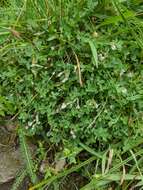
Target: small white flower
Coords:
[(60, 74), (78, 106), (30, 123), (65, 79), (49, 58), (111, 107), (101, 57), (52, 48), (95, 34), (122, 72), (63, 106), (96, 105), (73, 134), (113, 46), (124, 90), (130, 75), (26, 127)]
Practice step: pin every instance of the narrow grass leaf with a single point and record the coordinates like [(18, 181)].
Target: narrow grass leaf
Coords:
[(103, 165), (27, 156), (90, 150), (94, 52), (136, 162), (100, 180)]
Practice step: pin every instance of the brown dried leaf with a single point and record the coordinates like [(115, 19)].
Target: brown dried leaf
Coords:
[(123, 176), (109, 160), (60, 165)]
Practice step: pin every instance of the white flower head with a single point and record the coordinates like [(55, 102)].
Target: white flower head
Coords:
[(101, 57), (63, 106), (122, 72), (130, 75), (124, 90), (72, 134), (52, 48), (95, 34), (113, 46), (26, 127)]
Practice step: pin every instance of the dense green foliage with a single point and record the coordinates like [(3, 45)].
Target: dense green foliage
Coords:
[(72, 70), (40, 77)]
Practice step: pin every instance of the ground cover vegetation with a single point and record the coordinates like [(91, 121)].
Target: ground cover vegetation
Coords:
[(71, 76)]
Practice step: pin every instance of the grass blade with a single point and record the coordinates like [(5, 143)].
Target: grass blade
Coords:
[(27, 156), (94, 52), (90, 150)]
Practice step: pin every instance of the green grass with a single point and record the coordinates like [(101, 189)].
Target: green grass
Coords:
[(71, 73)]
